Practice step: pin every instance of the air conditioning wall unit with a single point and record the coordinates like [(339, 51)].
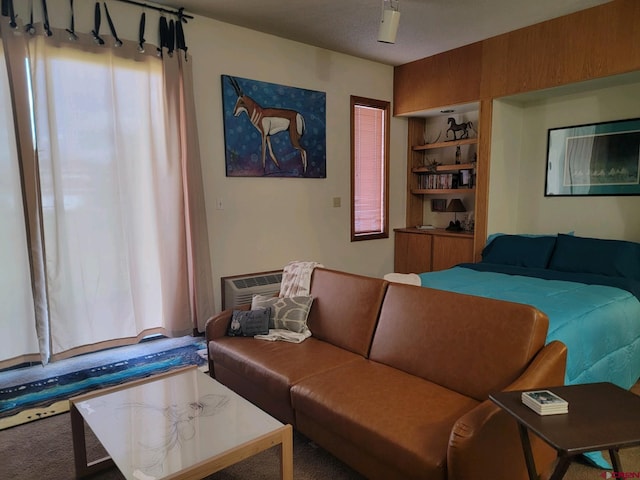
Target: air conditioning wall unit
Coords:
[(240, 289)]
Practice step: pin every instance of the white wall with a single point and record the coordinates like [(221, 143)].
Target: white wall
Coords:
[(518, 165), (267, 222)]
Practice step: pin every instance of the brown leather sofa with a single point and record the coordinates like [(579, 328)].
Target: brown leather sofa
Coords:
[(395, 379)]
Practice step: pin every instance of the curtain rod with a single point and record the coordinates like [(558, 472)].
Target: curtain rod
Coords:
[(159, 9)]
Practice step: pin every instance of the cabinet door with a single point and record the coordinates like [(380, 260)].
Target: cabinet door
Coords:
[(412, 253), (448, 251)]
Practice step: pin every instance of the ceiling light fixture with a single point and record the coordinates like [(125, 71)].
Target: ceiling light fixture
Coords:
[(389, 21)]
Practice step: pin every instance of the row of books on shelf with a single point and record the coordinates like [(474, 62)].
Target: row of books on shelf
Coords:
[(439, 181), (545, 402)]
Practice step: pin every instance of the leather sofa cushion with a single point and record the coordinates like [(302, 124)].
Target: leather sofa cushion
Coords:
[(345, 308), (473, 345), (386, 412), (275, 366)]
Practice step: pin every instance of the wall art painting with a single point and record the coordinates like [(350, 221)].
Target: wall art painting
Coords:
[(595, 159), (272, 130)]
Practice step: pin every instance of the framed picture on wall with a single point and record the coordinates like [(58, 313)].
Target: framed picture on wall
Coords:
[(272, 130), (594, 159)]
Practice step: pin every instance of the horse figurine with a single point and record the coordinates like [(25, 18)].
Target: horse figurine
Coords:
[(457, 127)]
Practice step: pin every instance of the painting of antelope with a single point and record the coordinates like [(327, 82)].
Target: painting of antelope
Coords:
[(273, 130)]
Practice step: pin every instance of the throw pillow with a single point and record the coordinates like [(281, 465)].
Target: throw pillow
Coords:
[(615, 258), (249, 323), (289, 313), (520, 250)]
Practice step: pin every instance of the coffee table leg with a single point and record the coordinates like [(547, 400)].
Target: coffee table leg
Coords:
[(83, 468), (287, 453), (79, 445)]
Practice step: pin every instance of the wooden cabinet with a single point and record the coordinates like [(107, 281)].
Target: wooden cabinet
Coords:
[(418, 251), (412, 252), (450, 250)]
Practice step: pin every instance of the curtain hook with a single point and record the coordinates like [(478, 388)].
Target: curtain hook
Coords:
[(45, 12), (96, 25), (141, 39), (12, 14), (71, 30), (29, 28), (112, 27)]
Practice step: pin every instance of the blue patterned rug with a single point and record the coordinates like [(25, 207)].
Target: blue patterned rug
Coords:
[(50, 391)]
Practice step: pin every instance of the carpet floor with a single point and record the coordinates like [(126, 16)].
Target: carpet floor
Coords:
[(43, 450)]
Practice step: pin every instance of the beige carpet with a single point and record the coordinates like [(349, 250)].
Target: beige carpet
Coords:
[(43, 450)]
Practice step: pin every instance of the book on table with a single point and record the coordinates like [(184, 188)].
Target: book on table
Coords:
[(545, 402)]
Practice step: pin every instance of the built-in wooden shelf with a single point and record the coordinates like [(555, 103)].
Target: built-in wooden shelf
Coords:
[(435, 191), (452, 143), (445, 168)]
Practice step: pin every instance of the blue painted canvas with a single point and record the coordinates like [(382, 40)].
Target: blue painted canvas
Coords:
[(272, 130)]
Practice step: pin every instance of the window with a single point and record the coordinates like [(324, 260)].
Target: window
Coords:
[(369, 169)]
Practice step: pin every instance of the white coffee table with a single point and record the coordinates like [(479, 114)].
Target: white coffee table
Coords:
[(178, 425)]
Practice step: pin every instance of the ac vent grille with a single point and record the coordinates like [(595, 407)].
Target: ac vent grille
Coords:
[(250, 282), (240, 289)]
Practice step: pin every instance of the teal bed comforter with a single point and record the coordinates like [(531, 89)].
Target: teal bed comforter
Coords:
[(599, 324)]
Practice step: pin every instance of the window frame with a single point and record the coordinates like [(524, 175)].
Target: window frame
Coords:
[(385, 106)]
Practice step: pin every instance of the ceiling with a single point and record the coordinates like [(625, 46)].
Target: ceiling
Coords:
[(427, 27)]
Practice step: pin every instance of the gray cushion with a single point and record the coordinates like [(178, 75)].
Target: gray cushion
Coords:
[(289, 313)]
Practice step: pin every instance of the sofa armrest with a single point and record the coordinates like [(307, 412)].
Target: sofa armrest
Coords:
[(486, 440), (217, 326)]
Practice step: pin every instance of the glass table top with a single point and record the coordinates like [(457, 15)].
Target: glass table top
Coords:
[(158, 428)]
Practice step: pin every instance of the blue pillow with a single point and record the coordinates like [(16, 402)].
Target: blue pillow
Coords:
[(493, 236), (614, 258), (520, 250)]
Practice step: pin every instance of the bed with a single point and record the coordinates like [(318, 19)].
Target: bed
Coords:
[(589, 288)]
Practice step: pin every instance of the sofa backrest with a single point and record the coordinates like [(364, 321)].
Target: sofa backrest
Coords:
[(345, 308), (469, 344)]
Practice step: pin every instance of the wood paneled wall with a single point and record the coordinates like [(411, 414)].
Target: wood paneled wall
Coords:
[(453, 75), (593, 43)]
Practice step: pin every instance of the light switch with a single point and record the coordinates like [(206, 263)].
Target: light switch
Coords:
[(337, 201)]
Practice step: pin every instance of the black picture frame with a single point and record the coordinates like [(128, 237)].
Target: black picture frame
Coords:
[(594, 159)]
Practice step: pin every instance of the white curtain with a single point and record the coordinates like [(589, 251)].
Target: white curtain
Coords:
[(123, 247), (17, 320)]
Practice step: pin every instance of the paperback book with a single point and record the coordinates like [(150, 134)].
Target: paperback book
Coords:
[(545, 402)]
